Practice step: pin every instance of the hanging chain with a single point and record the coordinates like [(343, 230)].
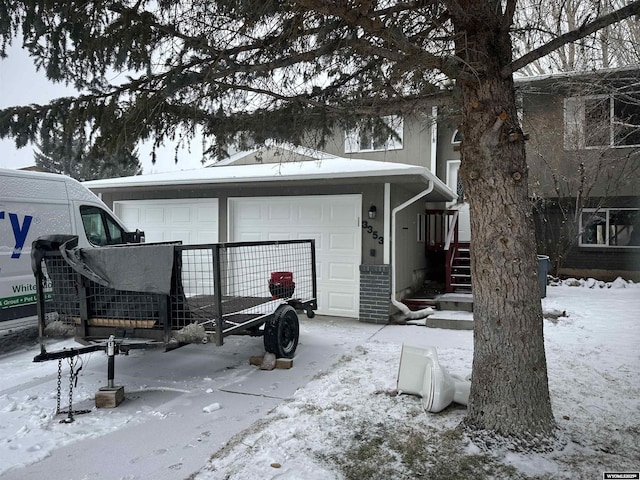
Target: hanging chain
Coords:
[(73, 381), (72, 378), (59, 386)]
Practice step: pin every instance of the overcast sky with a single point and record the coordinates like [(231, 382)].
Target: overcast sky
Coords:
[(21, 84)]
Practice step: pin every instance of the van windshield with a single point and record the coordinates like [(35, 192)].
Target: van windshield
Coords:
[(100, 228)]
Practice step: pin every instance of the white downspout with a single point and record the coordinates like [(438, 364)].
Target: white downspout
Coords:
[(406, 312), (387, 224), (434, 139)]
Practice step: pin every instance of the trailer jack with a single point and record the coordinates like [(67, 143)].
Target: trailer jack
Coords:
[(107, 397)]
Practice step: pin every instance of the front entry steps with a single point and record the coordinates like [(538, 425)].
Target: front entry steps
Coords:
[(450, 319), (454, 311)]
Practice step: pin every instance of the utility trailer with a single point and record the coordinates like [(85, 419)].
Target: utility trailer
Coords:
[(169, 294), (126, 297)]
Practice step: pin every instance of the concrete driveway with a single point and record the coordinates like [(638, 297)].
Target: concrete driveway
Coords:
[(167, 435)]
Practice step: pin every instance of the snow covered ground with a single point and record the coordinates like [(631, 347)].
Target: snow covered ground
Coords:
[(204, 411)]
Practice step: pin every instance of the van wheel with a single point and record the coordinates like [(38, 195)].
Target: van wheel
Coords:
[(281, 332)]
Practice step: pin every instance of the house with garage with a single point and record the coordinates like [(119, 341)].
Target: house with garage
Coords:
[(364, 215), (387, 215)]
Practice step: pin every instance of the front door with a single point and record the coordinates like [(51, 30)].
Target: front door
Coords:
[(464, 227)]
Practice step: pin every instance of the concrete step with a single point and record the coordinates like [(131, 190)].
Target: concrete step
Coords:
[(456, 301), (419, 303), (450, 319)]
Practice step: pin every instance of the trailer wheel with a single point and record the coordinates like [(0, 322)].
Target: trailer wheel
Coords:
[(281, 332)]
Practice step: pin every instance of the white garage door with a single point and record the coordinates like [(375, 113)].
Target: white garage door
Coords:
[(332, 220), (192, 221)]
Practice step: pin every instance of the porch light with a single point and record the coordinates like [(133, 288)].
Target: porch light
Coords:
[(373, 211)]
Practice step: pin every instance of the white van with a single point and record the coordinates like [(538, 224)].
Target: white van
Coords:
[(34, 204)]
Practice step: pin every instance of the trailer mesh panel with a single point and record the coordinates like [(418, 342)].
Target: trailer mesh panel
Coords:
[(223, 287), (244, 272)]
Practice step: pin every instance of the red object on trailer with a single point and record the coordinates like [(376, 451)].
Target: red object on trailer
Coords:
[(281, 285)]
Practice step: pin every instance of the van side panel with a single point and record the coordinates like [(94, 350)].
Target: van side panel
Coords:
[(45, 189), (20, 224)]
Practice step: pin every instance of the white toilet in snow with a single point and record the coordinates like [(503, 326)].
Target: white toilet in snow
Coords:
[(421, 374)]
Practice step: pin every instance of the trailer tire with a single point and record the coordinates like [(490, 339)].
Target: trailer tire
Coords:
[(281, 332)]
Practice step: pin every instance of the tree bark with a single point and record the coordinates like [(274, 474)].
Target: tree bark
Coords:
[(509, 391)]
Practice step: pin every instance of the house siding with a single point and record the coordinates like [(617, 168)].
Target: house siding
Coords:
[(416, 145), (602, 264)]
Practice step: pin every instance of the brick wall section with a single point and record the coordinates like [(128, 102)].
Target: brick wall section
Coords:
[(375, 292)]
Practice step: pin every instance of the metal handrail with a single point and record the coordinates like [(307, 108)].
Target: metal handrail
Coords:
[(452, 237), (452, 234)]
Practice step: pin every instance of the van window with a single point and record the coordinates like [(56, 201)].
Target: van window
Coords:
[(100, 228)]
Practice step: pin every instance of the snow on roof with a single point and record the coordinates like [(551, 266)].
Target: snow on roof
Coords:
[(270, 145), (329, 167), (602, 73)]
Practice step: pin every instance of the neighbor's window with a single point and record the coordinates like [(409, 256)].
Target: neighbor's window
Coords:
[(375, 137), (610, 227), (602, 121)]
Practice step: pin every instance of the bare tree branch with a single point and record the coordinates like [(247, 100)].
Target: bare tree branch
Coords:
[(583, 31)]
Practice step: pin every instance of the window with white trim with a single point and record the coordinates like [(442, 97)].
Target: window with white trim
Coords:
[(375, 137), (601, 121), (610, 227), (421, 230)]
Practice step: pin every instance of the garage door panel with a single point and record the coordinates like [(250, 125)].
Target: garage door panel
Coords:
[(249, 237), (342, 242), (320, 277), (342, 216), (175, 219), (130, 218), (341, 272), (310, 214), (180, 235), (180, 214), (331, 220), (151, 233), (340, 301), (280, 213), (306, 235), (275, 236), (207, 215), (250, 211), (154, 215)]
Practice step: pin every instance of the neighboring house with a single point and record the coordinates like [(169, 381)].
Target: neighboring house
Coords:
[(363, 214), (584, 161), (583, 153)]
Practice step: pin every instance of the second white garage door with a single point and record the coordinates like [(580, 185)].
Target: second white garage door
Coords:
[(192, 221), (332, 220)]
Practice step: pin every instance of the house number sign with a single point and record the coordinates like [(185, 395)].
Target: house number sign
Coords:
[(374, 233)]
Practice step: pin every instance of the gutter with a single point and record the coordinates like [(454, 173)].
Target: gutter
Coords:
[(406, 312)]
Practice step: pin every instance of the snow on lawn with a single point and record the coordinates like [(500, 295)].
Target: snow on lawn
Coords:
[(343, 422), (348, 424)]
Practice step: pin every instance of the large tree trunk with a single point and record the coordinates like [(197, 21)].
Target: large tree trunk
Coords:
[(509, 392)]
